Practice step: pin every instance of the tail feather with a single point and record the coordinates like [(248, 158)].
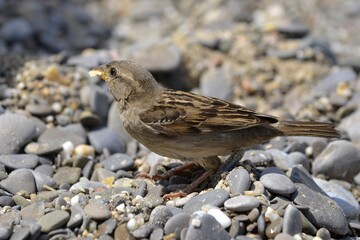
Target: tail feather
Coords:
[(311, 129)]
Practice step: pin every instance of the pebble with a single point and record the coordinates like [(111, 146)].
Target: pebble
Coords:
[(292, 221), (17, 161), (215, 198), (68, 175), (177, 223), (217, 83), (278, 183), (34, 211), (98, 101), (343, 197), (105, 138), (107, 227), (350, 125), (57, 137), (293, 30), (42, 148), (220, 216), (20, 233), (299, 158), (339, 160), (324, 234), (199, 226), (321, 210), (15, 132), (6, 201), (43, 181), (97, 211), (241, 203), (5, 231), (76, 217), (39, 110), (118, 161), (16, 29), (238, 180), (53, 220), (101, 174), (45, 169), (301, 175), (19, 180)]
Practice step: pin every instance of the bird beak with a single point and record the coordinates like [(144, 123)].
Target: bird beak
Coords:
[(98, 71)]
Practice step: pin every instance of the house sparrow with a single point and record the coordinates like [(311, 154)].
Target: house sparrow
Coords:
[(190, 127)]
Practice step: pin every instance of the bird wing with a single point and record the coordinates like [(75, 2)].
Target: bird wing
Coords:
[(177, 113)]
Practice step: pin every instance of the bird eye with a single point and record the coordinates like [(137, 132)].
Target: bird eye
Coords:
[(112, 72)]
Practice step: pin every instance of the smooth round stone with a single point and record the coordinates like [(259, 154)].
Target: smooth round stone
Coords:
[(217, 83), (5, 231), (76, 217), (39, 109), (220, 216), (42, 148), (20, 179), (213, 197), (20, 233), (98, 101), (107, 227), (205, 226), (17, 161), (90, 120), (339, 160), (43, 180), (351, 125), (105, 138), (57, 137), (177, 223), (292, 220), (324, 234), (294, 30), (278, 183), (122, 232), (85, 186), (343, 197), (33, 211), (45, 169), (299, 174), (68, 175), (321, 209), (118, 161), (158, 233), (100, 174), (280, 158), (238, 180), (241, 203), (16, 131), (97, 211), (299, 158), (6, 201), (53, 220), (75, 128)]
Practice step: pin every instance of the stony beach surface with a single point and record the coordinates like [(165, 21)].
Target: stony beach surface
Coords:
[(69, 170)]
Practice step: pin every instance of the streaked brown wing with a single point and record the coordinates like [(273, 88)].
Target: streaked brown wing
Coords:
[(179, 112)]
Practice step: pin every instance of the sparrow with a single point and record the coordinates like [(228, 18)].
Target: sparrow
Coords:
[(190, 127)]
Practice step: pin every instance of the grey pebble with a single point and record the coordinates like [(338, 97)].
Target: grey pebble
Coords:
[(284, 236), (68, 175), (76, 216), (301, 175), (321, 210), (86, 186), (57, 137), (343, 197), (278, 183), (75, 128), (241, 203), (20, 233), (257, 157), (60, 203), (16, 161), (238, 180), (15, 132), (280, 158), (100, 174), (199, 226), (105, 138), (176, 223), (217, 83), (42, 148), (53, 220), (339, 160), (98, 101), (6, 201), (16, 29), (5, 231), (213, 197), (292, 220), (351, 125), (20, 179), (157, 233), (45, 169), (107, 227), (33, 211), (42, 181), (118, 161), (97, 211), (299, 158), (324, 234), (20, 201), (42, 109), (293, 30)]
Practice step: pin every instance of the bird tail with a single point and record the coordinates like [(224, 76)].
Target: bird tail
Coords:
[(311, 129)]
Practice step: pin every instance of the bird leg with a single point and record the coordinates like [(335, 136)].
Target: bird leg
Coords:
[(174, 171), (230, 163)]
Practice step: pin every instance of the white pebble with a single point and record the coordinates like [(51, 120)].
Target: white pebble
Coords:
[(75, 200), (132, 224), (121, 207), (220, 216), (196, 223), (271, 214), (56, 107), (68, 147)]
